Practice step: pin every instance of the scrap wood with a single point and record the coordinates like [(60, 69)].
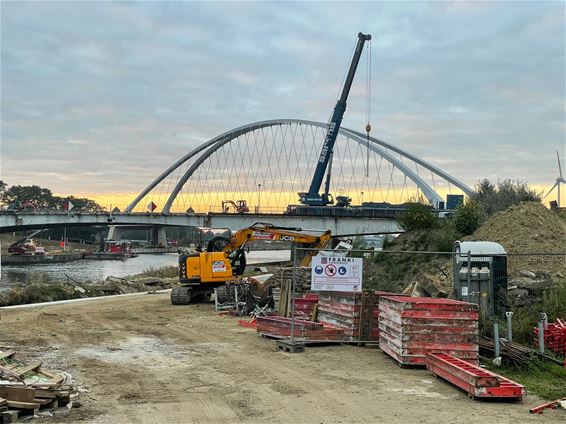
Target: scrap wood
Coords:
[(7, 354), (550, 405), (23, 405), (9, 375), (17, 393), (33, 367)]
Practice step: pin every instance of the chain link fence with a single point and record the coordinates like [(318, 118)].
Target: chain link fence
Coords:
[(495, 282)]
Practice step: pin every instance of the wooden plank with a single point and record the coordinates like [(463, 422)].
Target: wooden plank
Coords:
[(32, 367), (47, 394), (7, 354), (48, 373), (19, 394), (23, 405), (314, 314), (283, 298)]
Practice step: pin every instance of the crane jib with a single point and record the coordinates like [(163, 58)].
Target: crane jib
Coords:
[(312, 197)]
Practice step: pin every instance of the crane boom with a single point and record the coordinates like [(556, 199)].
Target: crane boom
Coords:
[(312, 197)]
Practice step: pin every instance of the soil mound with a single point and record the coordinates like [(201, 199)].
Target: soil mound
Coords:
[(525, 228)]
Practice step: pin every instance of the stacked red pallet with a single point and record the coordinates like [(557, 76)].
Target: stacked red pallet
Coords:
[(554, 337), (411, 327), (341, 310), (303, 330)]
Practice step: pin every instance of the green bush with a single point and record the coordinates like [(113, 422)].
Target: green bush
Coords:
[(468, 217), (418, 217), (493, 198)]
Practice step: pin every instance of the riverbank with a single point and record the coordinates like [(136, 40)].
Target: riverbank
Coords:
[(132, 276)]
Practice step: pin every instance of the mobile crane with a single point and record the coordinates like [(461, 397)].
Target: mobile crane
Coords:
[(312, 197), (225, 260)]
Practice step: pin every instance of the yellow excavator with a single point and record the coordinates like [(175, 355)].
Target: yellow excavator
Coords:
[(225, 259)]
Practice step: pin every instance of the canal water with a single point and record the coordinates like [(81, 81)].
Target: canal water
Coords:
[(98, 270)]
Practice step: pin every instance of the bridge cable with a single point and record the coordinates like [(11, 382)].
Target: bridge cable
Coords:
[(368, 103)]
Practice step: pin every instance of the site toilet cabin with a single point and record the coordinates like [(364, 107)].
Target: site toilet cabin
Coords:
[(484, 279)]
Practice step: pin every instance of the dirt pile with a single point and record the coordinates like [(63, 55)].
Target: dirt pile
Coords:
[(525, 228)]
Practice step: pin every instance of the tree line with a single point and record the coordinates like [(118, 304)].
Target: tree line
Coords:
[(18, 197)]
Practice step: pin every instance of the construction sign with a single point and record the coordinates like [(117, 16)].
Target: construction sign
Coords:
[(68, 205), (336, 274)]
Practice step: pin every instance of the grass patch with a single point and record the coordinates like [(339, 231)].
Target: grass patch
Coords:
[(167, 271), (553, 302), (541, 378), (38, 293)]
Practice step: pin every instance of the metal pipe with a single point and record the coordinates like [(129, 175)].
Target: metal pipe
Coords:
[(469, 275), (496, 338), (542, 323), (294, 283), (509, 316)]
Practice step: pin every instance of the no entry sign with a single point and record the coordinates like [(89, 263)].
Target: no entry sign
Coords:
[(336, 274)]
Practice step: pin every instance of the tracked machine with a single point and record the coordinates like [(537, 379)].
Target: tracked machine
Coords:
[(225, 259)]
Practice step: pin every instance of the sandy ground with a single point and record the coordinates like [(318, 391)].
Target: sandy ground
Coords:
[(143, 360)]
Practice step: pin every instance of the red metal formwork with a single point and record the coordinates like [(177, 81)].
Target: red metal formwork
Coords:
[(303, 330), (478, 382), (411, 327), (341, 310)]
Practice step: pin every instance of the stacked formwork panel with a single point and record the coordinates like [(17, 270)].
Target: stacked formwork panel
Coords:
[(411, 327), (341, 310), (356, 313)]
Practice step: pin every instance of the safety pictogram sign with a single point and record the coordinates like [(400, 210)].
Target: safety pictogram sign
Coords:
[(336, 274)]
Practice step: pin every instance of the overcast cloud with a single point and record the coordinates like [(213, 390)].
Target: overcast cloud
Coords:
[(100, 97)]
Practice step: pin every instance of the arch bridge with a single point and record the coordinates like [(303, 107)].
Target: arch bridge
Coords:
[(267, 163)]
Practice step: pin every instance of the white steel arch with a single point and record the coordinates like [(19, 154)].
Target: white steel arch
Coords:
[(377, 146)]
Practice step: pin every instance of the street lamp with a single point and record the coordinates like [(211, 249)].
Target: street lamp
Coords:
[(362, 193), (258, 196)]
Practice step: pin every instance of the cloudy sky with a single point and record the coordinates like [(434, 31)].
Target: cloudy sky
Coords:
[(99, 97)]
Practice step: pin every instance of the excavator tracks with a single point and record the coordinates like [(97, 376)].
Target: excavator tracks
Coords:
[(181, 295)]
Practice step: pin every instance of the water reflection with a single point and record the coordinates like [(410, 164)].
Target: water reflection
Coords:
[(98, 270)]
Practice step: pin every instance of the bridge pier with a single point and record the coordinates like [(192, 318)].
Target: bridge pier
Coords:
[(159, 237)]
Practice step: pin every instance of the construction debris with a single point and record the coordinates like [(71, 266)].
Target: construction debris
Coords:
[(27, 389), (550, 405), (427, 285), (302, 278)]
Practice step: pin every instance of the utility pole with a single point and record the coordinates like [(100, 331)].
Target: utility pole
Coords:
[(258, 196)]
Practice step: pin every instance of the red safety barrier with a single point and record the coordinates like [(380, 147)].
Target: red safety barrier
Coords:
[(554, 337), (478, 382)]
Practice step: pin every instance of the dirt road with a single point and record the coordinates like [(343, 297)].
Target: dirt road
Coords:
[(144, 361)]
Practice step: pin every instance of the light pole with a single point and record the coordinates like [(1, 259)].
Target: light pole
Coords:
[(258, 196), (362, 193)]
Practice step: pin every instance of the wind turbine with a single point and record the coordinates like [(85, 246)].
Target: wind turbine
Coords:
[(559, 180)]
